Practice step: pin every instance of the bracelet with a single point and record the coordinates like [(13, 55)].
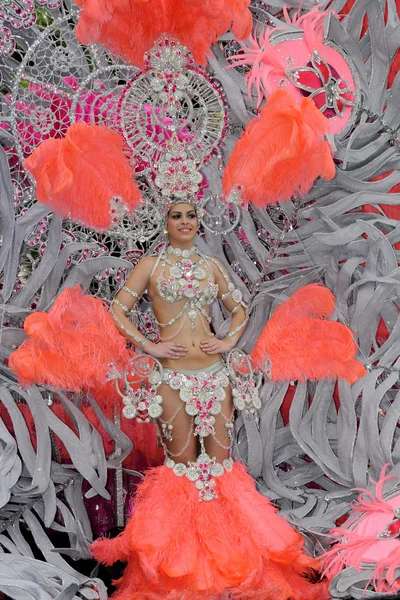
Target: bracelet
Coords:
[(129, 333), (143, 342)]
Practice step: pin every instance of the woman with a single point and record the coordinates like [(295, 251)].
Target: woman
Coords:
[(199, 529)]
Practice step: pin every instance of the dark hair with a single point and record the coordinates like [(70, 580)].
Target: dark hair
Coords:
[(182, 202)]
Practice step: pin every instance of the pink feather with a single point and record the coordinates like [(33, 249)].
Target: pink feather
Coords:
[(354, 547), (267, 63), (369, 502), (312, 24), (348, 550), (384, 577)]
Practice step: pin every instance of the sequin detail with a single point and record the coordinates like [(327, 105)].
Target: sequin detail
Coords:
[(202, 473), (142, 404), (203, 394), (183, 282)]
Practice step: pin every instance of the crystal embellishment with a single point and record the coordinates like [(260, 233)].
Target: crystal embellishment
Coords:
[(203, 395), (320, 82), (202, 473), (142, 404), (178, 176)]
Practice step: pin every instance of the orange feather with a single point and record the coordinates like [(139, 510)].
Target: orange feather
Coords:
[(300, 344), (72, 346), (281, 153), (237, 544), (79, 174), (130, 28)]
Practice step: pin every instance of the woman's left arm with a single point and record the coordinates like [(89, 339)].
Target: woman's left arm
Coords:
[(231, 297)]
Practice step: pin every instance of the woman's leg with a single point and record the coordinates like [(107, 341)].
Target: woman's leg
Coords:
[(218, 446), (182, 447)]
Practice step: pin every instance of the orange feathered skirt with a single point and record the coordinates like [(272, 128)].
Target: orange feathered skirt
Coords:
[(233, 547)]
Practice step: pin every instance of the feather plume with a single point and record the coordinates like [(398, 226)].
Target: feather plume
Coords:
[(267, 63), (374, 502), (312, 24), (348, 551), (129, 29), (281, 153), (356, 546), (300, 344), (236, 543), (79, 174), (72, 346), (385, 577)]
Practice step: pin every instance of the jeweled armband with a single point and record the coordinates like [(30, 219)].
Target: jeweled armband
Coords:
[(131, 292), (118, 303), (238, 328)]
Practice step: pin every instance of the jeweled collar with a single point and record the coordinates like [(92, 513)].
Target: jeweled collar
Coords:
[(180, 252)]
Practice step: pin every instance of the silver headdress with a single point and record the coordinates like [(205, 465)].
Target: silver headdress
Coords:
[(173, 117)]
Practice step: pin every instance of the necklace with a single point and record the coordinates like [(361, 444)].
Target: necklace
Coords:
[(183, 253)]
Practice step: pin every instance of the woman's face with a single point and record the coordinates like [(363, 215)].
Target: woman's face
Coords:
[(182, 224)]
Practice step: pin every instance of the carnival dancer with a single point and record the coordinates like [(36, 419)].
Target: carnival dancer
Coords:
[(199, 528)]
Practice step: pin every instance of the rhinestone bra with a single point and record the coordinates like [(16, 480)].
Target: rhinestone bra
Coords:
[(183, 282)]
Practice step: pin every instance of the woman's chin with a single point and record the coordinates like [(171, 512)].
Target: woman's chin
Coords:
[(184, 238)]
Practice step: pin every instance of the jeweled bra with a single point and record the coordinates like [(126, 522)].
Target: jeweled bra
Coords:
[(183, 281)]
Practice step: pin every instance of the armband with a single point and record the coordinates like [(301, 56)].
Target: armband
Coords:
[(118, 303), (239, 327), (131, 292)]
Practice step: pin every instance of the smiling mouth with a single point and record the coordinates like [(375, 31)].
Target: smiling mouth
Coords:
[(185, 229)]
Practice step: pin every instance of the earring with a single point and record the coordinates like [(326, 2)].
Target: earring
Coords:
[(165, 232)]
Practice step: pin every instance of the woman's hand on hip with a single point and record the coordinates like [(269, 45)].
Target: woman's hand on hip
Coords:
[(216, 346), (166, 350)]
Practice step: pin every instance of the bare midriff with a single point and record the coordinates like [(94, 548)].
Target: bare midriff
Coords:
[(191, 338)]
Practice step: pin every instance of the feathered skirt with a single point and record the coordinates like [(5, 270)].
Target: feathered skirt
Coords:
[(232, 547)]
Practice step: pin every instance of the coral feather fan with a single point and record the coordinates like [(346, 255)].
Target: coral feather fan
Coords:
[(300, 344), (71, 346), (79, 174), (129, 28), (281, 153)]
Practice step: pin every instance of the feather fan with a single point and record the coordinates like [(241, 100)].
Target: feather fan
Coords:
[(281, 153), (300, 344), (79, 174), (72, 346)]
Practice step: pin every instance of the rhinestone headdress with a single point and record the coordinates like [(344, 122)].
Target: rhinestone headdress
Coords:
[(173, 117), (170, 120)]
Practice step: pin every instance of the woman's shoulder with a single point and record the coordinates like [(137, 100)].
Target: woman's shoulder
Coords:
[(143, 269), (216, 264), (147, 262)]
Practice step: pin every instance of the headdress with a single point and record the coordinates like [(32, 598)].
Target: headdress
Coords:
[(170, 122)]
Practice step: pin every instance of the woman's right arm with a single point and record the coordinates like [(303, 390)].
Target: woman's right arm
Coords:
[(126, 299)]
